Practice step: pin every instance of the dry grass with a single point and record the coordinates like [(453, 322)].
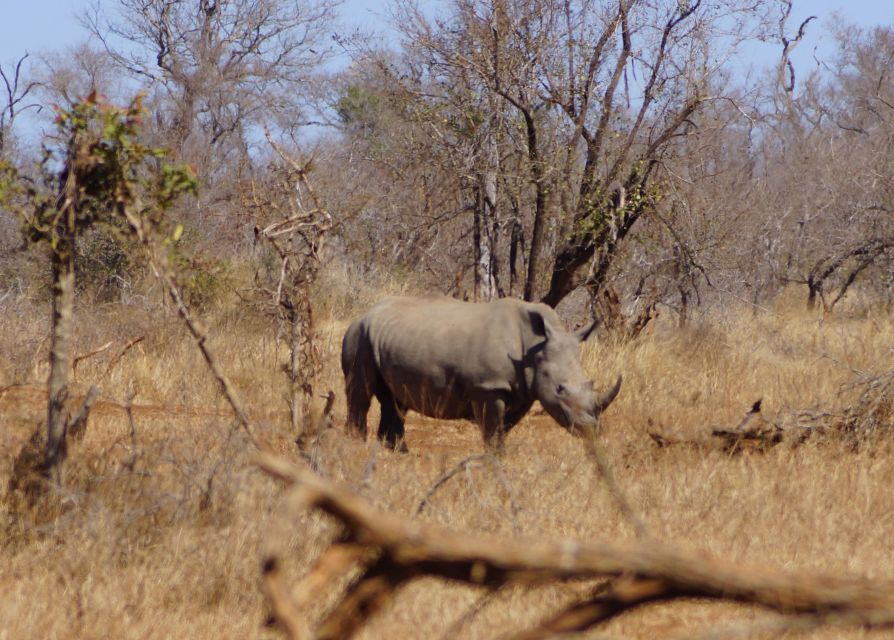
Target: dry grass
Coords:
[(160, 533)]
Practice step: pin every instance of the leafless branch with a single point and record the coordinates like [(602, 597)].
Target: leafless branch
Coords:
[(117, 357), (788, 45), (77, 359), (162, 271)]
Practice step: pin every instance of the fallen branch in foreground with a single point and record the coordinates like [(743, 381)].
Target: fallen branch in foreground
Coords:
[(392, 550)]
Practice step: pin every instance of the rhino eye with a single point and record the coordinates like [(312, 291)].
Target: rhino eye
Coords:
[(560, 389)]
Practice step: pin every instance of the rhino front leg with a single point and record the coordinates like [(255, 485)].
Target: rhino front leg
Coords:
[(491, 417)]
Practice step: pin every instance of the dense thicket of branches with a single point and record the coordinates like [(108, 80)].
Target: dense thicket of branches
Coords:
[(512, 147)]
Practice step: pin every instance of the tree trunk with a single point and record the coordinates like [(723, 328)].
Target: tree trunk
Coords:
[(60, 350), (476, 247), (815, 286), (491, 218), (684, 308), (539, 228), (571, 257), (516, 248), (613, 220), (295, 391)]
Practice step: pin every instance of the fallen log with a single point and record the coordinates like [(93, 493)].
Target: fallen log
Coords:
[(752, 433)]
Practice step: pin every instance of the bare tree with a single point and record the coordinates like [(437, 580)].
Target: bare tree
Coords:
[(589, 99), (17, 97), (216, 72), (69, 75), (836, 151), (297, 234), (679, 52), (409, 165)]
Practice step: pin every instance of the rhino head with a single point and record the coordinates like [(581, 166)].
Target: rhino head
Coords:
[(560, 383)]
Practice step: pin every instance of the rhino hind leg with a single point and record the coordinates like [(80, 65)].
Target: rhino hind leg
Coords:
[(391, 424), (359, 396)]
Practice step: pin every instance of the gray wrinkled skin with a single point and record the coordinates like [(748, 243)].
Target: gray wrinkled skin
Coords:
[(484, 362)]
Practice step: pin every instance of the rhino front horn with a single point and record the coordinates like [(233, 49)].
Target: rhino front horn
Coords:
[(602, 402)]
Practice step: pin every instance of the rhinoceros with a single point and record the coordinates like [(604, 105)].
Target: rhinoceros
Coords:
[(449, 359)]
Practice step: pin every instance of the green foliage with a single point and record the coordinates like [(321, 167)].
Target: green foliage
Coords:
[(203, 280), (600, 208), (358, 107), (9, 183), (97, 171), (87, 185)]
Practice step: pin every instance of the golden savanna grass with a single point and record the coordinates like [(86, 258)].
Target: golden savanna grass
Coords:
[(159, 530)]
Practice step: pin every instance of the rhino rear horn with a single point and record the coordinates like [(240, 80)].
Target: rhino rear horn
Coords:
[(602, 402), (584, 332)]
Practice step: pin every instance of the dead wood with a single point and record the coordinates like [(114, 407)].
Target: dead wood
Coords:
[(480, 604), (870, 415), (298, 239), (284, 610), (315, 423), (466, 464), (753, 433), (641, 571)]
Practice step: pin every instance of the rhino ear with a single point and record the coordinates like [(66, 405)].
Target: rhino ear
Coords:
[(540, 325), (584, 332)]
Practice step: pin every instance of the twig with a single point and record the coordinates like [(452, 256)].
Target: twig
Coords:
[(504, 482), (595, 453), (826, 356), (128, 408), (117, 357), (745, 300), (90, 354), (457, 625), (441, 481), (77, 424), (369, 468), (466, 464)]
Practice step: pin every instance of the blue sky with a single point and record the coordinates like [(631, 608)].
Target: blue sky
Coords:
[(43, 25), (38, 26)]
